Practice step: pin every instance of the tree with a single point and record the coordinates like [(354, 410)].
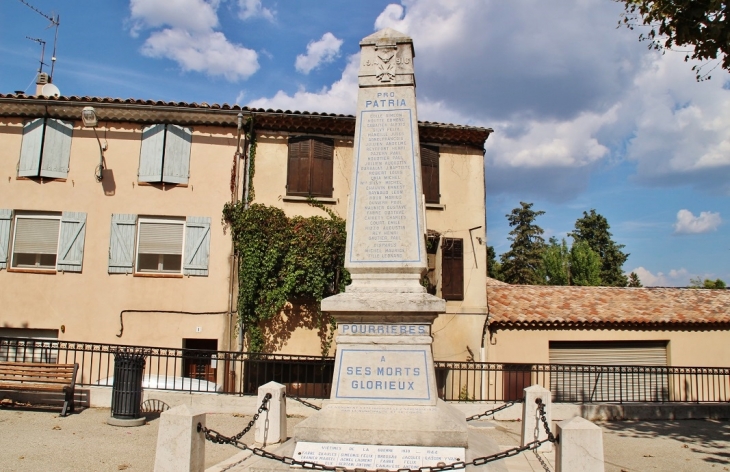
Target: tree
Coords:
[(556, 263), (494, 268), (593, 229), (634, 280), (585, 265), (703, 25), (522, 264), (699, 282)]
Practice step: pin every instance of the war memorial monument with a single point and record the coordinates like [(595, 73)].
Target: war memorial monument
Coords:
[(384, 411)]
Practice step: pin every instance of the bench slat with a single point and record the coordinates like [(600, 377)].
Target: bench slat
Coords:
[(34, 387)]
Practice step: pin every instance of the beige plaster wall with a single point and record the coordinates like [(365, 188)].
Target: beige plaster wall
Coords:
[(684, 348), (88, 304)]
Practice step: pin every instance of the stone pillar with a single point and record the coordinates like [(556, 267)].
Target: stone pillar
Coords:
[(180, 447), (271, 425), (580, 448), (532, 427)]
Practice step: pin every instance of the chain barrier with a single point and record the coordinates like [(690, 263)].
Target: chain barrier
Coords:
[(543, 418), (216, 437), (495, 410), (306, 403)]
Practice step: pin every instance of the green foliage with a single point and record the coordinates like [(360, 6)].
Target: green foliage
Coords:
[(251, 159), (698, 282), (522, 264), (556, 263), (585, 265), (282, 259), (634, 280), (702, 25), (494, 268), (593, 229)]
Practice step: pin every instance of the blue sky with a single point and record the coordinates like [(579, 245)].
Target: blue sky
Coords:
[(585, 116)]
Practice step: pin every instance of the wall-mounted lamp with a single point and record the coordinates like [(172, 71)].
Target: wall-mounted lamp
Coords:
[(88, 116)]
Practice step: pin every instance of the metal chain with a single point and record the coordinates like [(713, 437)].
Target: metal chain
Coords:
[(495, 410), (216, 437), (543, 418), (306, 403)]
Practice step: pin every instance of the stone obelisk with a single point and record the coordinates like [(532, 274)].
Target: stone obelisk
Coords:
[(384, 385)]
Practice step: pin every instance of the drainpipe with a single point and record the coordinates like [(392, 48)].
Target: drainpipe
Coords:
[(246, 173), (234, 262)]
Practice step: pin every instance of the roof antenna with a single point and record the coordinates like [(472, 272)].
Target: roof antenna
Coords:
[(43, 52), (55, 21)]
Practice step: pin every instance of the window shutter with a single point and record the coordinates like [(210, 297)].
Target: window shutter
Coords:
[(5, 219), (197, 245), (56, 148), (176, 163), (452, 268), (430, 173), (321, 164), (30, 149), (150, 154), (36, 236), (71, 242), (160, 238), (121, 243), (297, 178)]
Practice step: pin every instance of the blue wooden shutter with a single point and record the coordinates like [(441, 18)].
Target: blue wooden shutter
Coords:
[(176, 164), (71, 242), (30, 149), (121, 243), (197, 245), (150, 154), (5, 219), (56, 148)]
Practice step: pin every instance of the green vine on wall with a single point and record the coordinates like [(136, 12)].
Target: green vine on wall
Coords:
[(283, 259), (251, 136)]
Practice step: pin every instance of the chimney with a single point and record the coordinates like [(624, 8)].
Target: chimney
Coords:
[(42, 80)]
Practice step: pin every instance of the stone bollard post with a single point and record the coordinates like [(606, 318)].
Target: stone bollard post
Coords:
[(580, 447), (532, 426), (180, 447), (271, 425)]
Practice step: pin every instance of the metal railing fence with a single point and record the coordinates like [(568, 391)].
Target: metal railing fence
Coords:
[(241, 373)]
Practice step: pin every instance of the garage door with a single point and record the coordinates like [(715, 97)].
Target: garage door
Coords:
[(28, 345), (608, 371)]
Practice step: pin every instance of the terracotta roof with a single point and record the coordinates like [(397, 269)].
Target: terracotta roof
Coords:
[(152, 111), (525, 306)]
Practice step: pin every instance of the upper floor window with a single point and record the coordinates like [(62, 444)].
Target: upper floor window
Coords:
[(46, 148), (309, 167), (159, 245), (430, 173), (42, 241), (165, 154)]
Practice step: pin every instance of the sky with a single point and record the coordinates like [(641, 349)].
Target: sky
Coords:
[(585, 116)]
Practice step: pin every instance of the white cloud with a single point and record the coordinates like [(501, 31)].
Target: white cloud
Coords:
[(318, 52), (253, 9), (188, 37), (341, 97), (687, 223), (675, 278)]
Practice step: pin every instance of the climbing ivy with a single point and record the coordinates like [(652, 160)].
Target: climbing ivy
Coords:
[(283, 259)]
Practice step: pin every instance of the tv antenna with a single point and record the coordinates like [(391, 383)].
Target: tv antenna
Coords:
[(55, 20), (43, 51)]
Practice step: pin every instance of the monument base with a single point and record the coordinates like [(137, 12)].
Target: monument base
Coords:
[(441, 425)]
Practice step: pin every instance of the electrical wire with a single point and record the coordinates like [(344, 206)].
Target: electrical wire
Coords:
[(121, 315)]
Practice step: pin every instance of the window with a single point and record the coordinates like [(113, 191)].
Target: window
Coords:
[(46, 148), (452, 269), (165, 154), (430, 173), (309, 167), (42, 241), (159, 245)]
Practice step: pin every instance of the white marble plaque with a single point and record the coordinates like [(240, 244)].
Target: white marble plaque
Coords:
[(383, 329), (380, 374), (386, 200), (377, 457)]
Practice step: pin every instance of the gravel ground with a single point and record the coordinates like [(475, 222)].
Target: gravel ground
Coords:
[(40, 440)]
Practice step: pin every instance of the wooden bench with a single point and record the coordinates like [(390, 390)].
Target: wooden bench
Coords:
[(40, 377)]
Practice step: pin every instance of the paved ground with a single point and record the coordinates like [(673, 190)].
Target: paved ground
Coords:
[(39, 440)]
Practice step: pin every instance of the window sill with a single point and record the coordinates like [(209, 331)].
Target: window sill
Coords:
[(32, 271), (159, 275), (161, 185), (43, 180), (435, 206), (298, 199)]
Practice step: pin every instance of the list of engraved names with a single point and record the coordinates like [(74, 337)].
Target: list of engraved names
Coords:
[(385, 200)]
